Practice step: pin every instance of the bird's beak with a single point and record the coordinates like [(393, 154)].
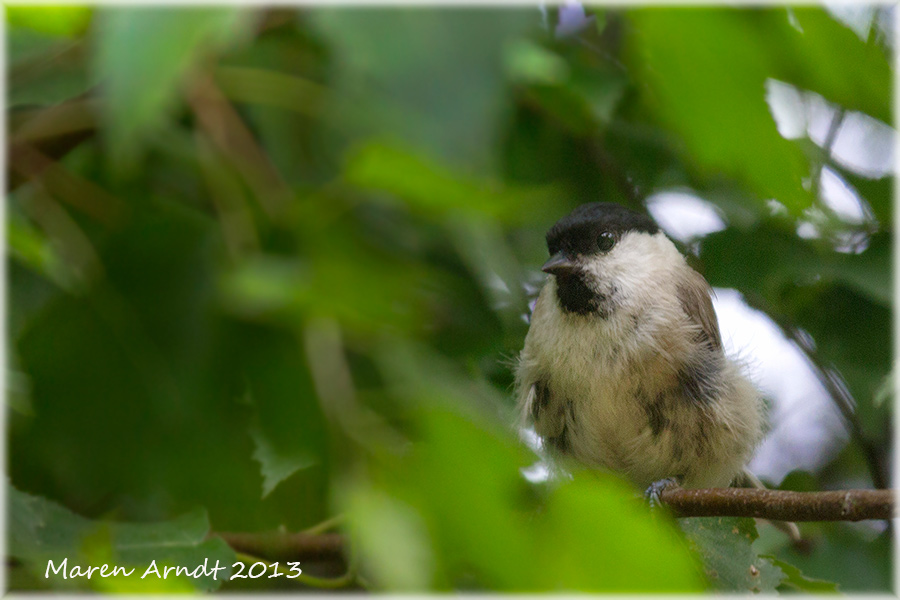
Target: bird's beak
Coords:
[(559, 264)]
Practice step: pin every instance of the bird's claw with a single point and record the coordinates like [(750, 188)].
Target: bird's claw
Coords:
[(653, 491)]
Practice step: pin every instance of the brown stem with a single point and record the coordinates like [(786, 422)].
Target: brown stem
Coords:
[(297, 546), (777, 505), (79, 193), (225, 127)]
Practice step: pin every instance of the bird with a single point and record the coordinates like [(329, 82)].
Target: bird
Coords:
[(623, 367)]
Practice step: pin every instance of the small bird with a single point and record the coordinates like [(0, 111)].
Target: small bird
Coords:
[(623, 366)]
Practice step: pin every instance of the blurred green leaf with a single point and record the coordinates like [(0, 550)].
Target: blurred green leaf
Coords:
[(869, 272), (763, 259), (885, 393), (566, 105), (66, 21), (423, 154), (262, 285), (443, 97), (705, 71), (490, 529), (768, 260), (329, 285), (429, 187), (32, 247), (879, 193), (490, 259), (601, 91), (584, 98), (725, 543), (595, 537), (479, 528), (827, 57), (40, 531), (854, 334), (257, 86), (527, 62), (799, 481), (394, 546), (43, 69), (283, 86), (141, 56)]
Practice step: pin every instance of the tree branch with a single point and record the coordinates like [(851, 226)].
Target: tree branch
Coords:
[(777, 505), (296, 546)]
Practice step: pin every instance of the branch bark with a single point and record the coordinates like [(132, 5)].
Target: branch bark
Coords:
[(777, 505), (297, 546)]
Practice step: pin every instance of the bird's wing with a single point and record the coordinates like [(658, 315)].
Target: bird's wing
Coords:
[(694, 296)]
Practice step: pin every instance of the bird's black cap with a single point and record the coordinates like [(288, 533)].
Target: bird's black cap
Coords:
[(577, 232)]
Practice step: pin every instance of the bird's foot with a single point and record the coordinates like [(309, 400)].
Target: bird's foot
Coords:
[(656, 488)]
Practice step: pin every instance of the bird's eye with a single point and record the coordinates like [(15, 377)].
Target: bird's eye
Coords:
[(605, 241)]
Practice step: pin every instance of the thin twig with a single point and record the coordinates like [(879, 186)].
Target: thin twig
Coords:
[(838, 392), (295, 546), (225, 127), (846, 404), (31, 126), (778, 505), (79, 193), (326, 525), (834, 127)]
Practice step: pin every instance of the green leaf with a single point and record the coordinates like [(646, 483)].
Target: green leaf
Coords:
[(596, 536), (44, 69), (481, 538), (584, 98), (839, 553), (726, 546), (527, 62), (773, 260), (885, 393), (276, 465), (141, 56), (430, 188), (393, 543), (64, 21), (433, 78), (32, 247), (289, 429), (869, 272), (829, 58), (270, 88), (795, 579), (481, 245), (879, 193), (276, 289), (705, 72), (460, 488), (41, 531)]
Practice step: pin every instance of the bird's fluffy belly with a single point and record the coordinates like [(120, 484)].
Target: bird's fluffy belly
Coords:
[(631, 414), (610, 420)]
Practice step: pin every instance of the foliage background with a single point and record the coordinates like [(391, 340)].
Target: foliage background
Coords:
[(266, 266)]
